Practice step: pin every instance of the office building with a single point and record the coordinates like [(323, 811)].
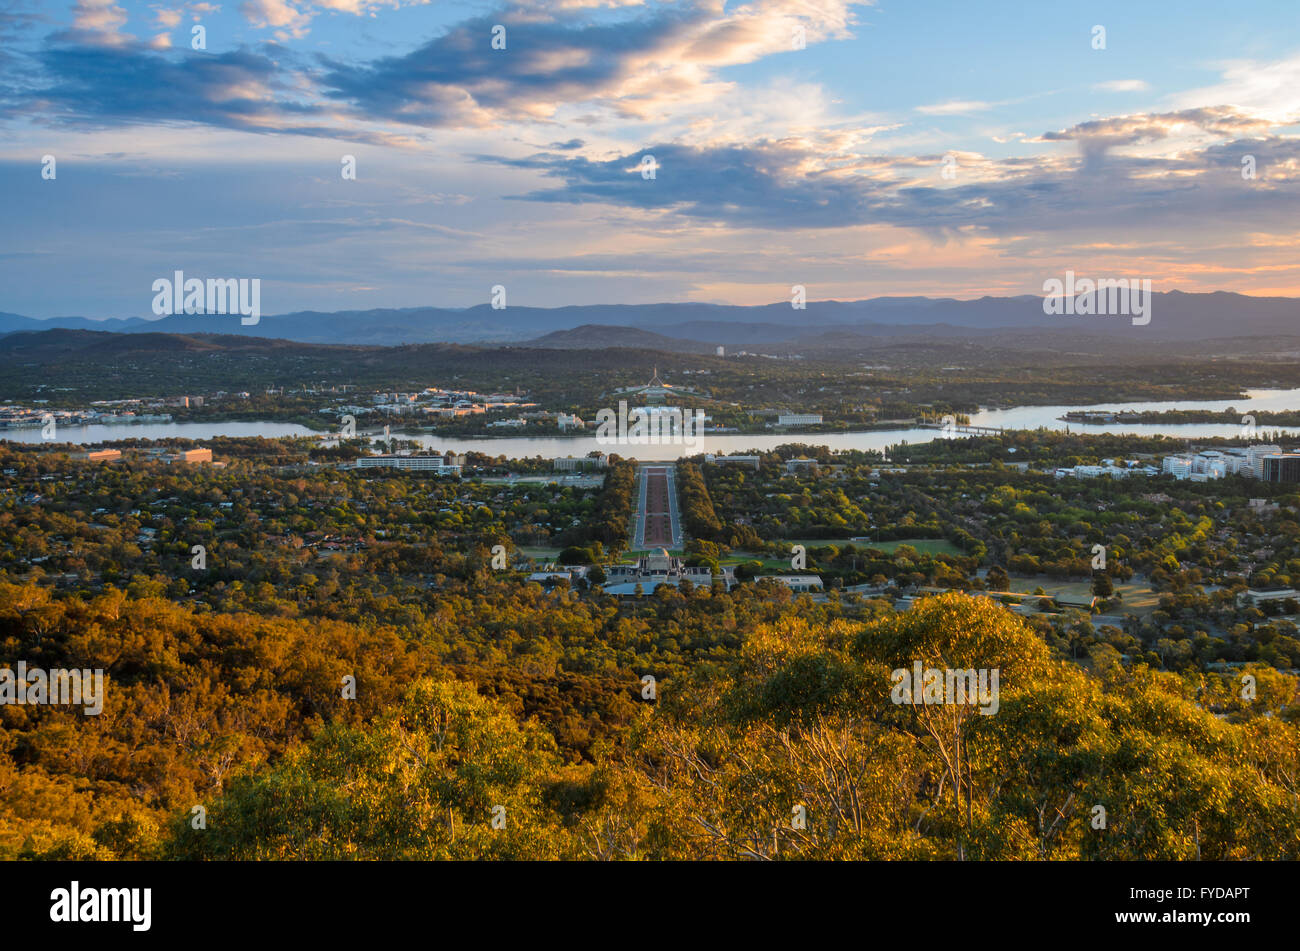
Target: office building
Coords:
[(190, 456), (1281, 467), (103, 455), (435, 464), (580, 463), (799, 419), (800, 584)]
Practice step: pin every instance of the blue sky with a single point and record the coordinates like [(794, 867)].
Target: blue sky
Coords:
[(775, 165)]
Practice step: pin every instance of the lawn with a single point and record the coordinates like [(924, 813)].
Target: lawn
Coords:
[(1138, 598), (535, 551)]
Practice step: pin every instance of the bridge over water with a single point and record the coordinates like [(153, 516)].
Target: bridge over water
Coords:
[(967, 429)]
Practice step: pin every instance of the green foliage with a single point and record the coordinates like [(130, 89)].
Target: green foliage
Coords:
[(422, 783)]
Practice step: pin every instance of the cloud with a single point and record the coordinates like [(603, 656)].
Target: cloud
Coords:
[(104, 86), (798, 183), (1270, 90), (650, 63), (103, 16), (761, 185), (1098, 136), (97, 23), (285, 18), (293, 20), (956, 107), (762, 164), (639, 67), (965, 107), (1122, 85)]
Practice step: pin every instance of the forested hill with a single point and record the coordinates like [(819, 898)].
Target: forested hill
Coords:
[(111, 365), (243, 715), (69, 367)]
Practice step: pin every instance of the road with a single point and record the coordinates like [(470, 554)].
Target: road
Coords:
[(657, 522)]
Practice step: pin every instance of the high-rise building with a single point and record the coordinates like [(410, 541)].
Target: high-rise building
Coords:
[(1281, 467), (1255, 456)]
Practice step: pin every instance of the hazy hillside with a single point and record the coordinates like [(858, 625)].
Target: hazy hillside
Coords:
[(1176, 316), (597, 337)]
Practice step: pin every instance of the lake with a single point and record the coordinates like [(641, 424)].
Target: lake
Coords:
[(1020, 417)]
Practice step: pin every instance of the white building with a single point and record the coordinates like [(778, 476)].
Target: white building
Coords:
[(796, 583), (751, 461), (1236, 462), (1256, 598), (800, 464), (579, 463), (435, 464), (570, 573), (799, 419), (1211, 463), (1255, 458), (1108, 468), (650, 572), (656, 391), (1215, 464)]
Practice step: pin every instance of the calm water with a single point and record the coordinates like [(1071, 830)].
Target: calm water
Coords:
[(84, 435), (1021, 417)]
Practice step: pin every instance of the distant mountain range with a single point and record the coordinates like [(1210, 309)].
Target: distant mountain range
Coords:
[(697, 328)]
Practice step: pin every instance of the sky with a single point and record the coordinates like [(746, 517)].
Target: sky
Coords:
[(631, 151)]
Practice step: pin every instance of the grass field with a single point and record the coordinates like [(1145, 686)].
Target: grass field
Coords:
[(1139, 599), (933, 546), (535, 551)]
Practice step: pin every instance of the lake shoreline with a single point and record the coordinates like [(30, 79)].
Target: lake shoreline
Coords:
[(563, 444)]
